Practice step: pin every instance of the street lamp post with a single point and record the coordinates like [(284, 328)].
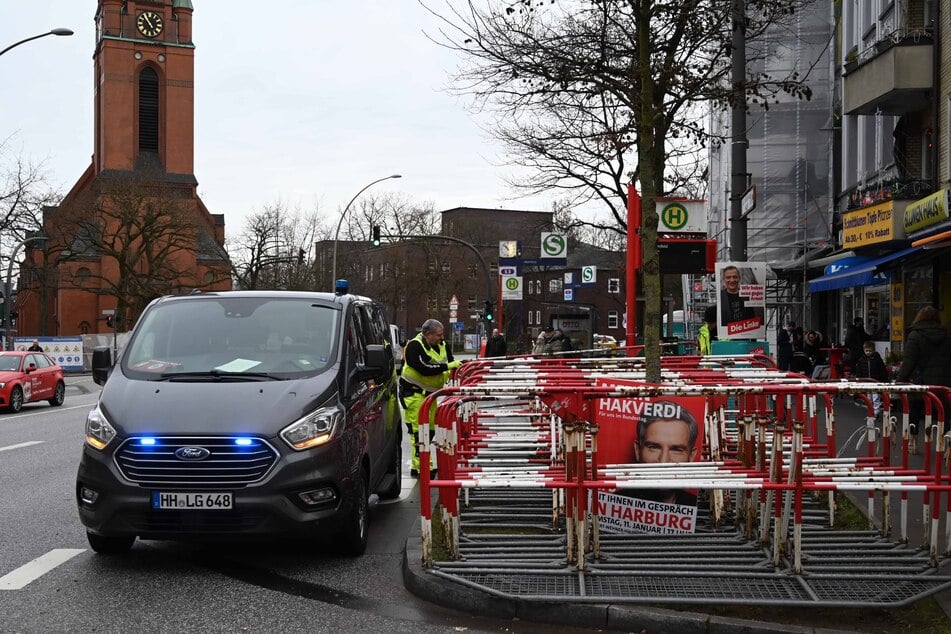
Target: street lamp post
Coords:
[(8, 290), (333, 279), (59, 31)]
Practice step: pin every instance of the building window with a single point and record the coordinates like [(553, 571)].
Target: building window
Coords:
[(529, 318), (612, 319), (431, 304), (538, 317), (538, 287), (614, 285), (446, 266), (382, 271), (148, 110), (82, 275), (554, 286), (493, 268), (472, 302), (473, 271)]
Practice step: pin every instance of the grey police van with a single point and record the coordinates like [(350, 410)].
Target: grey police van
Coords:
[(243, 414)]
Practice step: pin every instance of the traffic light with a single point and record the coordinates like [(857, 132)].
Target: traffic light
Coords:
[(487, 312), (110, 321), (300, 256), (13, 317), (376, 235)]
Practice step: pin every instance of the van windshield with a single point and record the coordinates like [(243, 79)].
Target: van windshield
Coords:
[(239, 338)]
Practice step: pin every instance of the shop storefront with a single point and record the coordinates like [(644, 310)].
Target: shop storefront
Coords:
[(928, 283), (863, 282)]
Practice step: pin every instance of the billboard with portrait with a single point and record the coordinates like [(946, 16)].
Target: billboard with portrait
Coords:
[(647, 431), (741, 300)]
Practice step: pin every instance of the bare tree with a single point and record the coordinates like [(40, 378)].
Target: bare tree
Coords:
[(593, 94), (138, 231), (24, 191), (275, 249)]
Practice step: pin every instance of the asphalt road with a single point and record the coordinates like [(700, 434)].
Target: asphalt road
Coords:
[(50, 581)]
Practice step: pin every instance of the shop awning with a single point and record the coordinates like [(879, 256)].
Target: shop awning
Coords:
[(937, 241), (864, 274)]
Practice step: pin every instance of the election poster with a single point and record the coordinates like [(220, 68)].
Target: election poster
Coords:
[(647, 431), (741, 300)]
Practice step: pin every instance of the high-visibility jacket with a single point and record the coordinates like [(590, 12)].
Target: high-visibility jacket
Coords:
[(703, 339), (436, 356)]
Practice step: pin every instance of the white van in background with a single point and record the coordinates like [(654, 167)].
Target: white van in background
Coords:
[(397, 341)]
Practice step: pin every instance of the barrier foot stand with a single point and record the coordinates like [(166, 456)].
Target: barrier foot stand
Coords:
[(886, 513), (904, 517)]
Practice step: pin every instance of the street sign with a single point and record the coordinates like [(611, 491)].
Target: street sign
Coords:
[(569, 277), (459, 326), (454, 303), (569, 294), (505, 271), (748, 203), (589, 274), (554, 245), (453, 313), (512, 287)]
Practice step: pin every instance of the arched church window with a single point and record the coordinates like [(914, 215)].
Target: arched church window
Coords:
[(148, 110)]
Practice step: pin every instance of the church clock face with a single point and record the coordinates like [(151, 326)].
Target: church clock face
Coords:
[(149, 24)]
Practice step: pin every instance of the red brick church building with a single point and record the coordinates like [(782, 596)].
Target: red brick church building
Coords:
[(139, 194)]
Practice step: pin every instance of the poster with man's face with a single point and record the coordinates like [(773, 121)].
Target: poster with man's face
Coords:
[(647, 431), (741, 300)]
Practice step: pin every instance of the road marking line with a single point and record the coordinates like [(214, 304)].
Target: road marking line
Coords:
[(23, 444), (50, 410), (27, 573)]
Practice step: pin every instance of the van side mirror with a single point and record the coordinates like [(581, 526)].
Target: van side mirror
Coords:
[(101, 364), (378, 362)]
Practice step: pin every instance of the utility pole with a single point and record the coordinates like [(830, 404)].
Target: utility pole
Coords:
[(738, 178)]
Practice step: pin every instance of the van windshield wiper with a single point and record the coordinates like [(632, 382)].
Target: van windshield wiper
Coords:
[(219, 375)]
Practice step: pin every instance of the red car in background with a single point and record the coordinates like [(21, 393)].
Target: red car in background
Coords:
[(26, 377)]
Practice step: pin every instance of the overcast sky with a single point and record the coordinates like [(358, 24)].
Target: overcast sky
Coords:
[(304, 101)]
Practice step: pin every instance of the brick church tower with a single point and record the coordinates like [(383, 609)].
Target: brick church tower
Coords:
[(132, 228)]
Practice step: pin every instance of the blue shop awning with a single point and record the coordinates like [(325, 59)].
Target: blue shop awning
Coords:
[(864, 274)]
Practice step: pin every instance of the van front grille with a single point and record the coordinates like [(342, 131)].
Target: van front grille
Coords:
[(195, 461)]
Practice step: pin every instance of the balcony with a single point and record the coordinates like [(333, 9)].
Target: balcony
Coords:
[(894, 77)]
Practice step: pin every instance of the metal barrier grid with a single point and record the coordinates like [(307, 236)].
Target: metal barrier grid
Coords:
[(722, 564)]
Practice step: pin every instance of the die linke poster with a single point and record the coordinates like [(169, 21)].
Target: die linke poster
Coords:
[(634, 435), (741, 300)]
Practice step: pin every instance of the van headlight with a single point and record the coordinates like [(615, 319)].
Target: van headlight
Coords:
[(99, 432), (312, 430)]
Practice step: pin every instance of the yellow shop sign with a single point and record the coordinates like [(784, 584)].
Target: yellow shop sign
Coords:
[(928, 211), (868, 225)]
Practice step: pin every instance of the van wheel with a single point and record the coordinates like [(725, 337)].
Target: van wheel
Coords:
[(106, 545), (395, 469), (356, 527), (59, 395)]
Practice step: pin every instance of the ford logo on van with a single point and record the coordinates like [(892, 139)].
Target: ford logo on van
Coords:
[(192, 453)]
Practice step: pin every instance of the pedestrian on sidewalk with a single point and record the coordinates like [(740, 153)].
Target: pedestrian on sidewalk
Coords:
[(496, 345), (855, 338), (872, 366), (708, 331), (926, 360)]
